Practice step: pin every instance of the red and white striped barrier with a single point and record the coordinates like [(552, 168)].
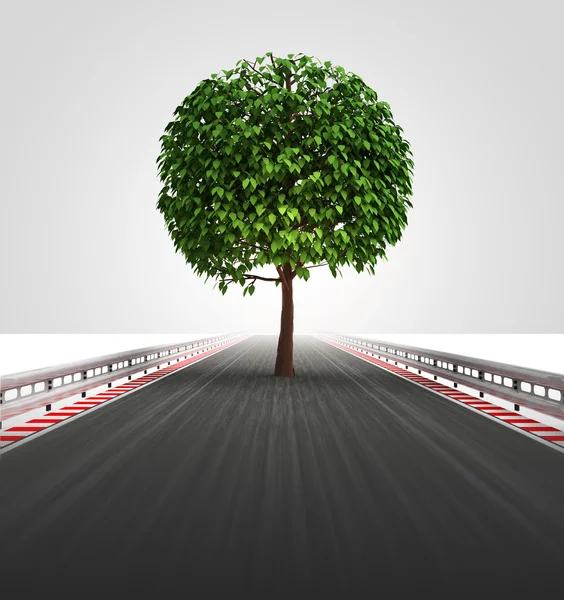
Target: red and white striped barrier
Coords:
[(17, 433), (512, 418)]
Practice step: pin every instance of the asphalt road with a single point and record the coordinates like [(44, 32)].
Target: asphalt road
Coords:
[(345, 479)]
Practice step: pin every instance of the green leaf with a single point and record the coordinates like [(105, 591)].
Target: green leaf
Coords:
[(343, 154)]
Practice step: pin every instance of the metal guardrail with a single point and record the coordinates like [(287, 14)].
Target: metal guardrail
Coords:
[(540, 390), (27, 390)]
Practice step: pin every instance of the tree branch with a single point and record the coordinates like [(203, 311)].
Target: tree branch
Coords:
[(261, 74), (250, 87), (318, 93), (294, 273), (247, 276), (301, 115), (288, 81), (283, 278), (255, 246), (252, 276)]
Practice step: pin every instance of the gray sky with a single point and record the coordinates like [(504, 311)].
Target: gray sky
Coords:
[(90, 86)]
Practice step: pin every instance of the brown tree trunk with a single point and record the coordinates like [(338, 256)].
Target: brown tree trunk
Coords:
[(285, 355)]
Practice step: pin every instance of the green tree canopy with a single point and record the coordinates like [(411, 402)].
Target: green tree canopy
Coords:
[(288, 162)]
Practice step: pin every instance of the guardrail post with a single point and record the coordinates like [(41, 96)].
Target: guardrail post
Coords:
[(85, 374), (512, 383), (455, 370)]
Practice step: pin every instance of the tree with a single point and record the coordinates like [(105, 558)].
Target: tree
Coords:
[(287, 162)]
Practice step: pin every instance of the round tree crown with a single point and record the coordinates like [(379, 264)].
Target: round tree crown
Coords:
[(283, 161)]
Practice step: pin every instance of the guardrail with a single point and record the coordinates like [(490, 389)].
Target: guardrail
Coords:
[(27, 390), (540, 390)]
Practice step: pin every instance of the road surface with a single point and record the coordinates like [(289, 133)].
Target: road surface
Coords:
[(345, 479)]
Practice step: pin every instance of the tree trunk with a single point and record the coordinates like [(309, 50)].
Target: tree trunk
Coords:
[(285, 355)]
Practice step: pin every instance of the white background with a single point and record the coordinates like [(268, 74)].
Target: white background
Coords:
[(33, 351), (91, 85)]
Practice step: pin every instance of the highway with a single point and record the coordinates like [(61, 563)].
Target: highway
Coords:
[(345, 478)]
